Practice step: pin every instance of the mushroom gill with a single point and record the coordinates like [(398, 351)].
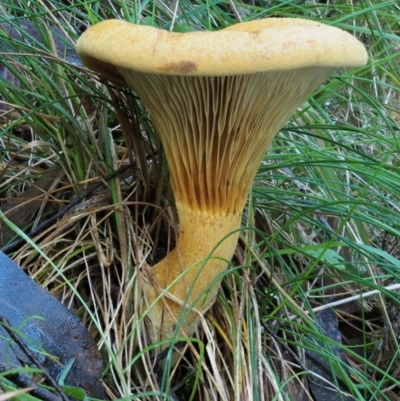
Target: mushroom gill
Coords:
[(214, 131)]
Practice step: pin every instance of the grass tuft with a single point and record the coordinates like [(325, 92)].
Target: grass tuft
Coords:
[(320, 232)]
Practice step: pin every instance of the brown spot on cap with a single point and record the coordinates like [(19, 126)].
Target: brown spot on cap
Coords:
[(183, 67)]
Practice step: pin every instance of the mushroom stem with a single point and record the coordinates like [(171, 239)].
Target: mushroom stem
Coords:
[(215, 131), (205, 245), (217, 99)]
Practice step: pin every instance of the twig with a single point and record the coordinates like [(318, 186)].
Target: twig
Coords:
[(32, 357), (75, 201), (24, 380), (350, 299)]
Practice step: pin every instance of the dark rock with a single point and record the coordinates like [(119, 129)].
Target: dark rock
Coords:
[(53, 333)]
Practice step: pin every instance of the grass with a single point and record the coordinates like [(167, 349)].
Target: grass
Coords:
[(322, 223)]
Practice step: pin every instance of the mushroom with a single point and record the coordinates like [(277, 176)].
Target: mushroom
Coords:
[(216, 99)]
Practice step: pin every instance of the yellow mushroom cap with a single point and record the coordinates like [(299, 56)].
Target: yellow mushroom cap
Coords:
[(272, 44)]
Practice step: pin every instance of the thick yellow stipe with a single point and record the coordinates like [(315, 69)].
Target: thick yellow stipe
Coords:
[(197, 260)]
